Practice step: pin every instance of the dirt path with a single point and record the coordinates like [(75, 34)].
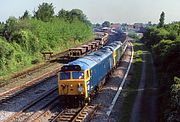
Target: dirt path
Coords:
[(145, 105), (153, 105), (135, 115)]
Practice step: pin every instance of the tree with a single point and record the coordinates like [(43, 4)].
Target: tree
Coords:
[(63, 14), (10, 27), (106, 24), (161, 20), (97, 25), (77, 13), (45, 12), (26, 15), (1, 28)]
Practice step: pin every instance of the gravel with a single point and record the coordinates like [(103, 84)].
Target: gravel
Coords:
[(15, 104), (29, 77), (108, 92), (38, 107)]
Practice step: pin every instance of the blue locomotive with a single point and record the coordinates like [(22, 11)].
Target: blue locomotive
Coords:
[(80, 79)]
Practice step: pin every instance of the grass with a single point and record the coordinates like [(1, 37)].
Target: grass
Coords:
[(133, 84), (132, 87), (7, 74), (145, 113)]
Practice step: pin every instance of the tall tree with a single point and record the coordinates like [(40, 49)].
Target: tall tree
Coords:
[(63, 14), (45, 12), (97, 25), (10, 27), (1, 28), (106, 24), (161, 20), (77, 13), (26, 15)]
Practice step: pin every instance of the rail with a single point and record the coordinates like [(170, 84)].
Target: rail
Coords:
[(15, 115), (76, 114)]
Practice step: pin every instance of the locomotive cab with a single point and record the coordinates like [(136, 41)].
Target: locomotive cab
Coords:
[(72, 84)]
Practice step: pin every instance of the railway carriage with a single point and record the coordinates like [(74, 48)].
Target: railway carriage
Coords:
[(79, 79), (83, 50)]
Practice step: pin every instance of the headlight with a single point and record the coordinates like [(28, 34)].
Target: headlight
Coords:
[(80, 89)]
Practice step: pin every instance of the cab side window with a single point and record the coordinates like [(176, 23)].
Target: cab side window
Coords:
[(88, 73)]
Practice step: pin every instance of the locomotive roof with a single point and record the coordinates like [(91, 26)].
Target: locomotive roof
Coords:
[(93, 58)]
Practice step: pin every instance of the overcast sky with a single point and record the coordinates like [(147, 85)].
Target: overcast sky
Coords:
[(97, 11)]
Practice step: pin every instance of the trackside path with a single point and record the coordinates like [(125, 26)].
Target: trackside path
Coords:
[(145, 105), (135, 115), (121, 86), (153, 105)]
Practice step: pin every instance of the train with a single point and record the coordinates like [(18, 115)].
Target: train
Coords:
[(80, 79), (85, 49), (77, 52)]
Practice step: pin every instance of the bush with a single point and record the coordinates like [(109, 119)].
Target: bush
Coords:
[(25, 39), (173, 113), (6, 54), (164, 43)]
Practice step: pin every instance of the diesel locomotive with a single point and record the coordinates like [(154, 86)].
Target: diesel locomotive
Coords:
[(80, 79)]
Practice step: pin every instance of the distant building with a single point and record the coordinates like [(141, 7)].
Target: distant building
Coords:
[(106, 29), (115, 26), (137, 26)]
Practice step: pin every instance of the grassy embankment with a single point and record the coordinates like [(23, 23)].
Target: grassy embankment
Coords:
[(35, 36), (149, 90), (164, 42), (131, 89)]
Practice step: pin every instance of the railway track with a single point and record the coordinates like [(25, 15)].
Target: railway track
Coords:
[(75, 114), (53, 112), (45, 110), (61, 57), (16, 89), (57, 113), (26, 86), (21, 101), (37, 105)]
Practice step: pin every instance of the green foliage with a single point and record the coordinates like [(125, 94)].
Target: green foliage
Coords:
[(10, 27), (77, 13), (154, 35), (74, 14), (6, 54), (45, 12), (173, 35), (164, 43), (1, 28), (97, 25), (106, 24), (63, 14), (27, 40), (134, 35), (26, 15), (161, 20), (22, 40), (172, 114)]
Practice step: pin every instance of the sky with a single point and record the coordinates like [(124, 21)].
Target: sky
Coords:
[(98, 11)]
